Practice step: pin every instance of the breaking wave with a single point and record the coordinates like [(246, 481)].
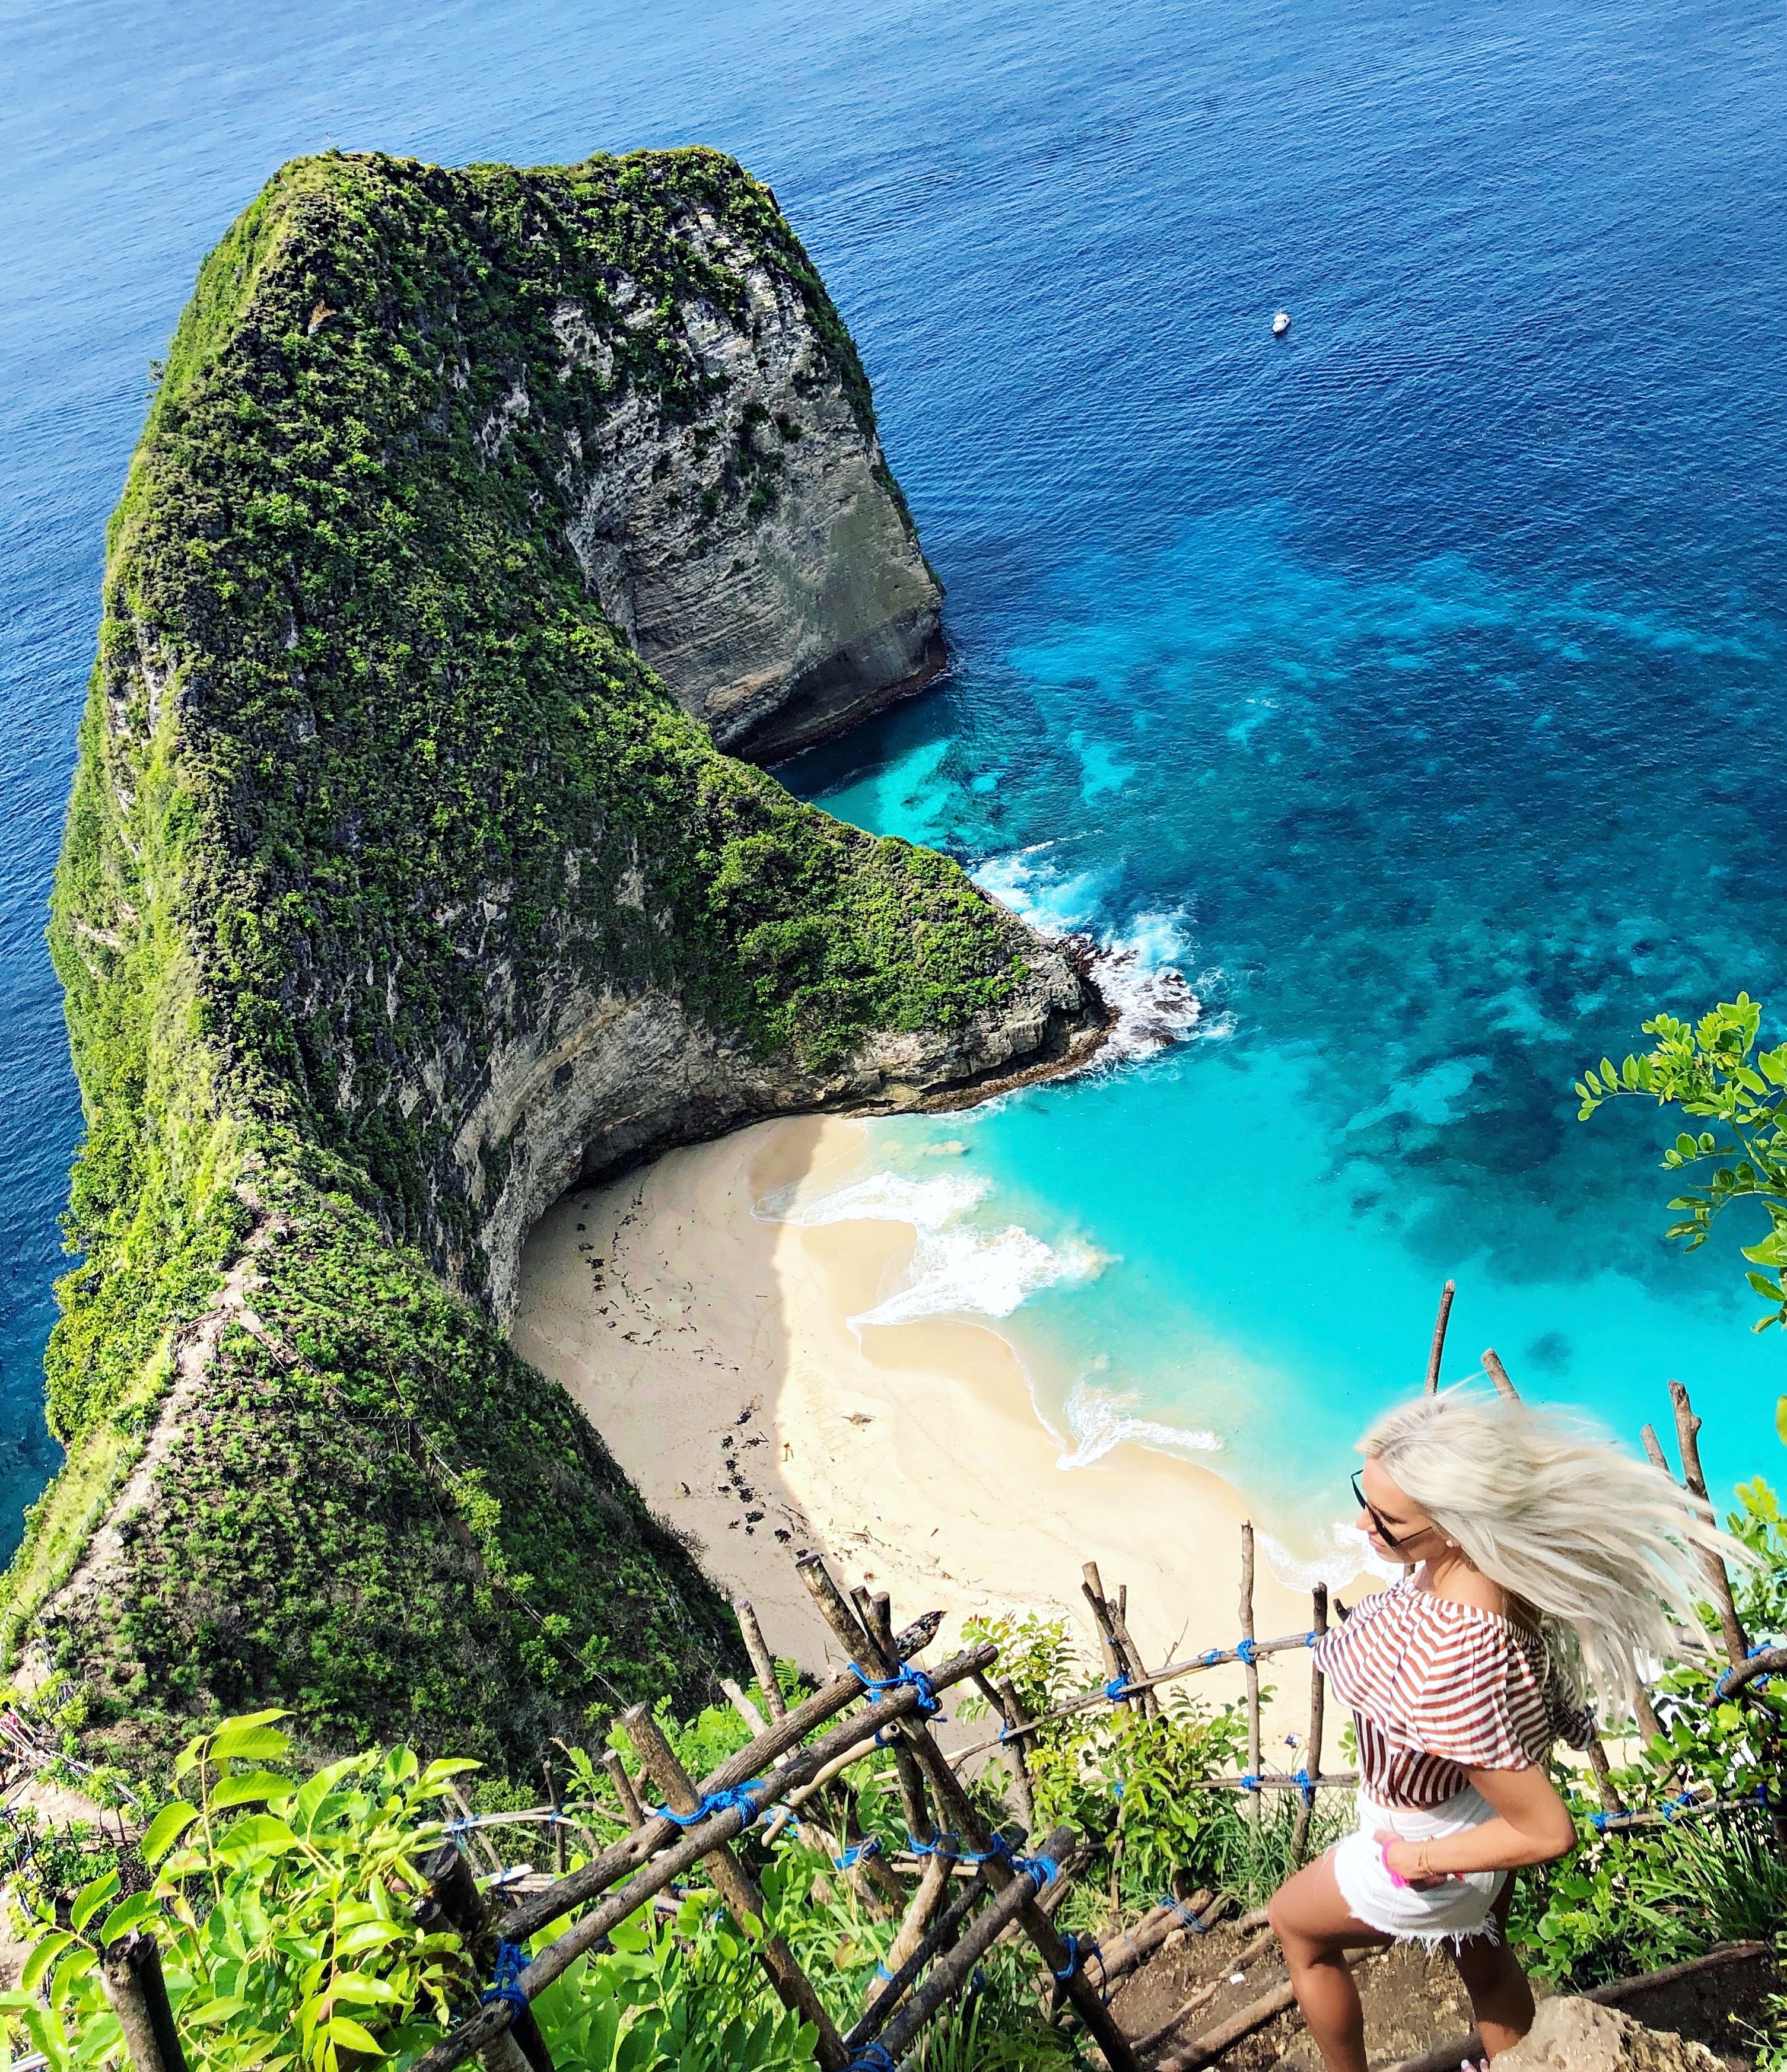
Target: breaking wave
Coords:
[(1139, 969), (1098, 1420), (954, 1268)]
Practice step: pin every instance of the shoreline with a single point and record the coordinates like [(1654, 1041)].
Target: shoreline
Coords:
[(709, 1348)]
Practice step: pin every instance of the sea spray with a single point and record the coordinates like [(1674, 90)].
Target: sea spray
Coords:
[(955, 1269)]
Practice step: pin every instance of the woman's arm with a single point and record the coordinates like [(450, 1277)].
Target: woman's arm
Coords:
[(1533, 1825)]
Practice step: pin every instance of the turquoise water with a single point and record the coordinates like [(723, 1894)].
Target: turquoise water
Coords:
[(1411, 684)]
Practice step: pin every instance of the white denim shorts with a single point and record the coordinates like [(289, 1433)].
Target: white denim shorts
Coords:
[(1451, 1912)]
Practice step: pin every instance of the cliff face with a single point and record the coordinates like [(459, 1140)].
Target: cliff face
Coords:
[(397, 892), (761, 556)]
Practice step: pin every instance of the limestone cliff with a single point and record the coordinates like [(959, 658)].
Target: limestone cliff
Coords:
[(397, 892)]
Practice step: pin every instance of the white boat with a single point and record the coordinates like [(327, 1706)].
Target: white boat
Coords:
[(1281, 324)]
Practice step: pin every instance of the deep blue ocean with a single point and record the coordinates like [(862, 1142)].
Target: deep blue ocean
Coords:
[(1413, 685)]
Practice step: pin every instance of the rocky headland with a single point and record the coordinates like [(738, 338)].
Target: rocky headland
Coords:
[(406, 882)]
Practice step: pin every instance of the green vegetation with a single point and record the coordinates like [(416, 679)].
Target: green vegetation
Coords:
[(365, 778)]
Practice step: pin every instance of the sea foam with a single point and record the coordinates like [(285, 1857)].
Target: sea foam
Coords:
[(1099, 1419), (955, 1268), (1343, 1556), (1139, 967)]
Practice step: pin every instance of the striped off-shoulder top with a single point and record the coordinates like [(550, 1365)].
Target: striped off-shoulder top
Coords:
[(1439, 1687)]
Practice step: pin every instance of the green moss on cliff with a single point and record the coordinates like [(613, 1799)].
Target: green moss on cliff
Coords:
[(359, 742)]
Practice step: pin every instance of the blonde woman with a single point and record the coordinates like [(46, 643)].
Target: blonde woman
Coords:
[(1549, 1566)]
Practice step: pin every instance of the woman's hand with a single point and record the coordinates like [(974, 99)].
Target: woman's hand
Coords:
[(1404, 1858)]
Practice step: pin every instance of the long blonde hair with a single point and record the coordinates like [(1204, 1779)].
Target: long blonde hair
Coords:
[(1605, 1547)]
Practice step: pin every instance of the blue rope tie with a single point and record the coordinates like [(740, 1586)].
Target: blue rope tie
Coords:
[(1311, 1638), (1072, 1964), (1185, 1914), (1301, 1778), (1044, 1869), (506, 1984), (873, 2058), (1209, 1657), (1601, 1822), (743, 1797), (929, 1705), (931, 1847), (1118, 1688), (882, 1973), (853, 1855), (1671, 1807), (1247, 1650), (1249, 1780), (1719, 1690)]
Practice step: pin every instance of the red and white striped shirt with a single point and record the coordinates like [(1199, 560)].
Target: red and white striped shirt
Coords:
[(1439, 1687)]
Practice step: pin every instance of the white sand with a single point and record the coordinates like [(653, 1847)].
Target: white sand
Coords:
[(914, 1459)]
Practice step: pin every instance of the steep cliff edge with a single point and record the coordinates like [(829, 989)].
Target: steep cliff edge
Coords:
[(397, 892)]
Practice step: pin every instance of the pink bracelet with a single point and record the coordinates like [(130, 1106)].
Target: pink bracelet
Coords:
[(1401, 1884)]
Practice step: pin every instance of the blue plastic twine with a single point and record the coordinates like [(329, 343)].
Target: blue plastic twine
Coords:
[(1072, 1964), (1247, 1649), (1119, 1687), (741, 1796), (853, 1855), (506, 1985), (928, 1705)]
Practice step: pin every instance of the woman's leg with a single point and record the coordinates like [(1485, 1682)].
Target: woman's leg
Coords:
[(1316, 1930), (1501, 1998)]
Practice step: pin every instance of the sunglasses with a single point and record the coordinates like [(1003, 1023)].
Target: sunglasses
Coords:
[(1375, 1515)]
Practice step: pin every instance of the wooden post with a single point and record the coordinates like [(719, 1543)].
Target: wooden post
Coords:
[(1318, 1698), (1250, 1804), (960, 1812), (1687, 1433), (1654, 1449), (737, 1888), (1438, 1345), (630, 1807), (884, 1650), (933, 1883), (454, 1898), (743, 1706), (1012, 1707), (947, 1976), (761, 1661), (1611, 1801), (1109, 1652), (131, 1977), (1133, 1668), (558, 1818), (1498, 1374)]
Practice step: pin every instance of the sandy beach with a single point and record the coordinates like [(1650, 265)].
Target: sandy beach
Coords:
[(710, 1347)]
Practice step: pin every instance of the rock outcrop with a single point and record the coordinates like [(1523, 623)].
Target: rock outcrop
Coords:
[(398, 892), (1576, 2035)]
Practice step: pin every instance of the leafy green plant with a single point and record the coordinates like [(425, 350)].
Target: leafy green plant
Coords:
[(286, 1933), (686, 1993), (1713, 1070)]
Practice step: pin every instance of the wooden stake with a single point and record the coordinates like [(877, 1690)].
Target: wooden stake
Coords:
[(743, 1706), (1653, 1448), (131, 1977), (1610, 1800), (761, 1661), (1438, 1345), (1095, 1593), (933, 1883), (885, 1994), (623, 1790), (1012, 1707), (1312, 1754), (1498, 1374), (558, 1822), (1134, 1667), (737, 1888), (1687, 1433), (1250, 1808)]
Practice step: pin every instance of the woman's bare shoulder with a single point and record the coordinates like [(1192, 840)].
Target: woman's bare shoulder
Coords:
[(1471, 1587)]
